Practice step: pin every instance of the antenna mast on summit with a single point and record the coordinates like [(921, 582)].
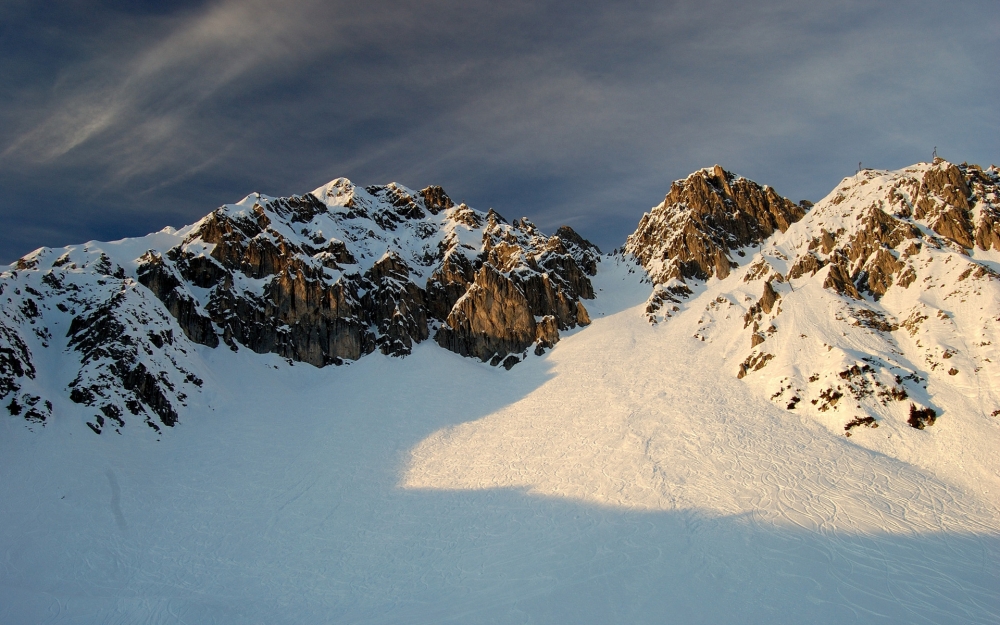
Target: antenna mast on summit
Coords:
[(935, 153)]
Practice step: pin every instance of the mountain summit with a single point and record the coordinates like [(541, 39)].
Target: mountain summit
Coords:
[(880, 302)]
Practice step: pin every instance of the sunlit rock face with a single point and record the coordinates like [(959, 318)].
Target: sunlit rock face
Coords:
[(332, 279), (703, 220)]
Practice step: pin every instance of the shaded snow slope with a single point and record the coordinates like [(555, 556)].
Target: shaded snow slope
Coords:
[(617, 478)]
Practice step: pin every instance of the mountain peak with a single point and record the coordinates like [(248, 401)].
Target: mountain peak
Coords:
[(703, 220)]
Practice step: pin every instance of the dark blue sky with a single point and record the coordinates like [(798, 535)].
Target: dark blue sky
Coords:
[(119, 118)]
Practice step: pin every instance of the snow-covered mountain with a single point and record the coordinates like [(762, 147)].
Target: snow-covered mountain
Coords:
[(881, 302), (322, 278), (757, 411)]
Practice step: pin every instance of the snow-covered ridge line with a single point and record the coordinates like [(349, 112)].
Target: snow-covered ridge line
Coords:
[(324, 278)]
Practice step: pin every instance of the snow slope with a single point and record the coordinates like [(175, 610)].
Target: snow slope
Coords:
[(618, 478)]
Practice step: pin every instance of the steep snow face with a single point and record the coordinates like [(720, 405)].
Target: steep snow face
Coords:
[(879, 306), (323, 278)]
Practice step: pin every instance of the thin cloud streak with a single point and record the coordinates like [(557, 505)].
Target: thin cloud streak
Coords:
[(159, 90)]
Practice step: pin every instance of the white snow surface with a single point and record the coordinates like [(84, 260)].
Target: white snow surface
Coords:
[(620, 478)]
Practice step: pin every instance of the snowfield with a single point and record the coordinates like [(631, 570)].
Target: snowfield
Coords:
[(620, 478)]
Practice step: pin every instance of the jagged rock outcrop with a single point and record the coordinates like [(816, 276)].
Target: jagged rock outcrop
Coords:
[(114, 375), (16, 367), (491, 321), (366, 269), (118, 343), (958, 202), (702, 220), (889, 217)]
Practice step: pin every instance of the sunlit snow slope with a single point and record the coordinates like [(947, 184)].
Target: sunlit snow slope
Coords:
[(638, 416)]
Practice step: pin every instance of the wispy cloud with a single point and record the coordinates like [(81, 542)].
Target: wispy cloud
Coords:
[(141, 105), (580, 112)]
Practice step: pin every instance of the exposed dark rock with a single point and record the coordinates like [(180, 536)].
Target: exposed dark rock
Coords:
[(921, 417), (395, 305), (435, 199), (15, 367), (156, 276), (546, 333), (839, 280), (583, 251), (879, 272), (754, 362), (15, 361), (113, 373), (860, 421), (808, 263), (769, 297), (874, 319), (943, 201), (448, 283), (957, 202), (492, 319)]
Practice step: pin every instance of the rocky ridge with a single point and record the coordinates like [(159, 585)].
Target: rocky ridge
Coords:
[(704, 222), (78, 317), (323, 278)]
